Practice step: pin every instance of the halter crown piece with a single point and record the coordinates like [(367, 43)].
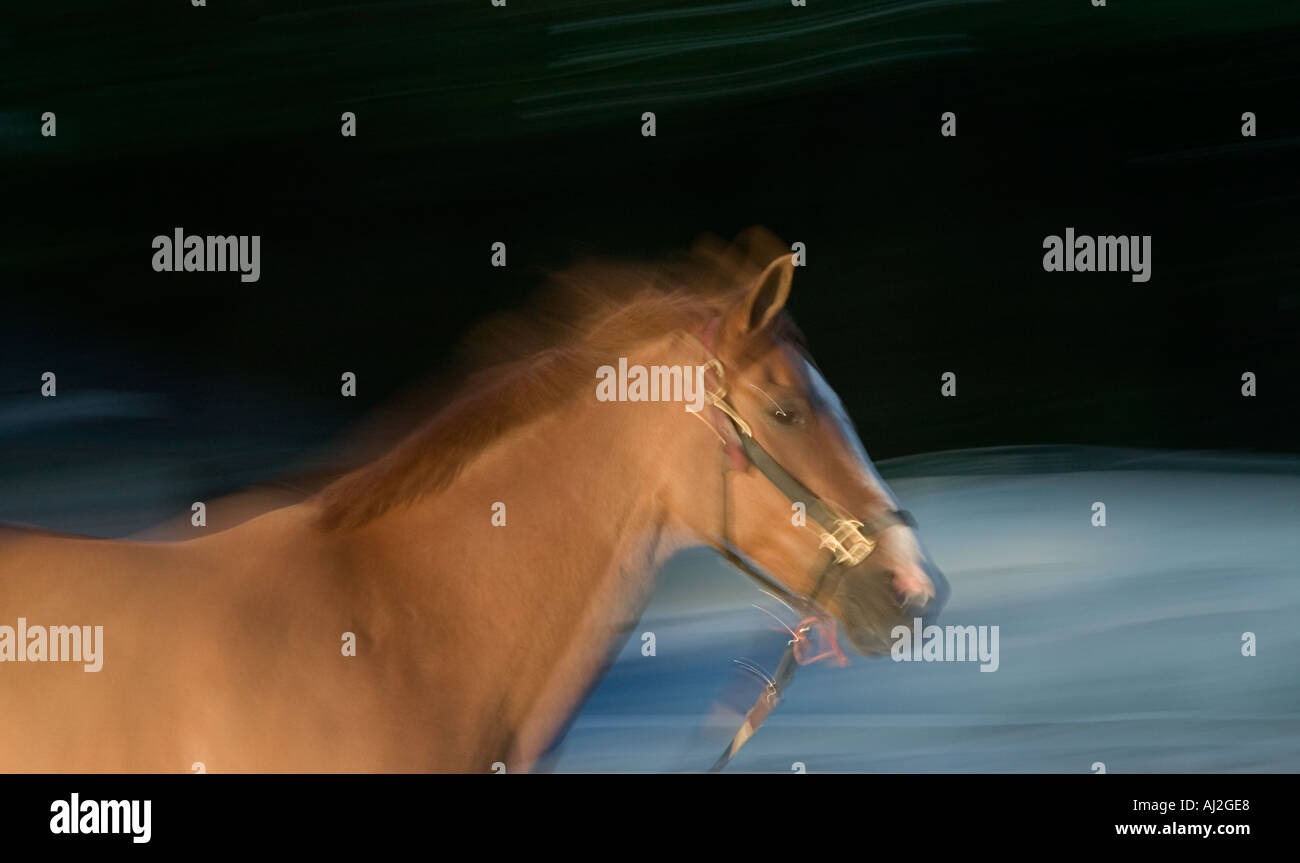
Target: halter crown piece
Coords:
[(844, 542)]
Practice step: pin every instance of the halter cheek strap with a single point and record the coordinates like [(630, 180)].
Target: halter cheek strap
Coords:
[(726, 424)]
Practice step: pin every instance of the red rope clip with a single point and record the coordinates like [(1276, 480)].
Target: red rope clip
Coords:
[(814, 640)]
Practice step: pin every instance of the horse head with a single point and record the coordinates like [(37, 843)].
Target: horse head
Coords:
[(801, 499)]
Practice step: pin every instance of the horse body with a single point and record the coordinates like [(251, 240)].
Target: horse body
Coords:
[(227, 650), (476, 640), (194, 644)]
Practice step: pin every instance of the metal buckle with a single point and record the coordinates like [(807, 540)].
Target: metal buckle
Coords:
[(718, 397), (721, 403), (848, 543), (721, 372)]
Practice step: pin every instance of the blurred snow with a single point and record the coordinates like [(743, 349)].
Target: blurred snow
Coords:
[(1119, 644)]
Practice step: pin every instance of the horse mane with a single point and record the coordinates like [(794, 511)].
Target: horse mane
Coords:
[(522, 366)]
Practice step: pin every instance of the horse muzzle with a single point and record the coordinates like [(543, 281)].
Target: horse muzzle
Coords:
[(871, 600)]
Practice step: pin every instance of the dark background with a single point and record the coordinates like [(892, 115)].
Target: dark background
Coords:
[(478, 124)]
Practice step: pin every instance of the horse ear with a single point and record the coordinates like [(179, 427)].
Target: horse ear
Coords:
[(765, 297)]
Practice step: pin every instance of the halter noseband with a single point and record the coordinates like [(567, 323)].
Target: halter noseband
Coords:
[(845, 543)]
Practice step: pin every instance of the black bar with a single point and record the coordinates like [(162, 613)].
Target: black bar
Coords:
[(899, 812)]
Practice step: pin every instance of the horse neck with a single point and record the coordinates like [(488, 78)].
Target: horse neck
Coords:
[(524, 615)]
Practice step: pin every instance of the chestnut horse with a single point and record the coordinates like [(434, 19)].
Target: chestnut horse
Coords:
[(483, 571)]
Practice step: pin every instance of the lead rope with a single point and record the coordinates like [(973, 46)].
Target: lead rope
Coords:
[(771, 696), (790, 660)]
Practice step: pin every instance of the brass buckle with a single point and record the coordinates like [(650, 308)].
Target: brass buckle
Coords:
[(848, 543)]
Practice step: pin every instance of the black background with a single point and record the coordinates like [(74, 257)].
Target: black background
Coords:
[(479, 124)]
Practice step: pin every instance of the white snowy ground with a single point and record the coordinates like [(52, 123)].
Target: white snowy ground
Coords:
[(1119, 644)]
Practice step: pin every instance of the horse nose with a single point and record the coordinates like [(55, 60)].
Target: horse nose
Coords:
[(913, 587), (938, 596)]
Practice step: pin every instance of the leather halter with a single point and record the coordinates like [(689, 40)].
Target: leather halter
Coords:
[(845, 542)]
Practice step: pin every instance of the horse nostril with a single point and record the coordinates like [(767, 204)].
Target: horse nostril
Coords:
[(913, 600), (912, 587)]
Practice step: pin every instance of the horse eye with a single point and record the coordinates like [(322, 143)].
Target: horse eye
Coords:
[(787, 416)]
